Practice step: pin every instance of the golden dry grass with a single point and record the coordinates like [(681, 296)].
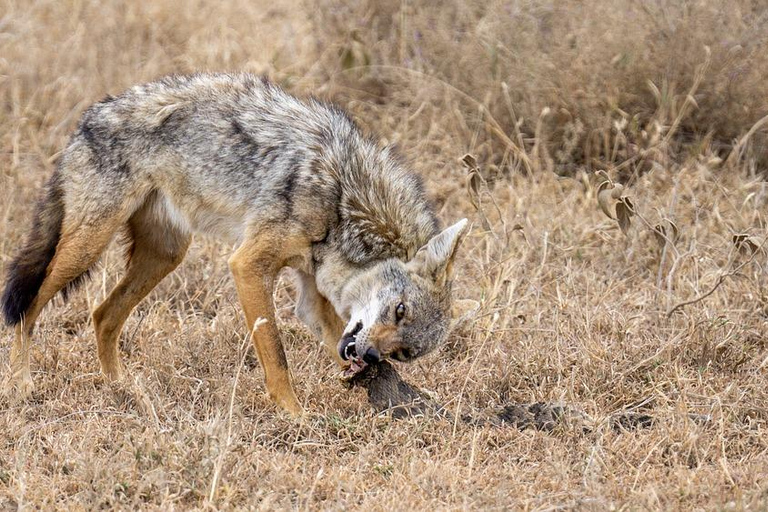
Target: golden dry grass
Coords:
[(573, 310)]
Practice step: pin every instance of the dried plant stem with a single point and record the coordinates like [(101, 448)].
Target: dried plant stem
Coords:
[(495, 127), (223, 452), (738, 149), (719, 281)]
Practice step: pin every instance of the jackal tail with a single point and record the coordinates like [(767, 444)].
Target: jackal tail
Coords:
[(28, 270)]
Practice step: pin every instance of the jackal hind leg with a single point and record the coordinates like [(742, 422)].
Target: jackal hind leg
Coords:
[(78, 250), (319, 315), (157, 248), (254, 266)]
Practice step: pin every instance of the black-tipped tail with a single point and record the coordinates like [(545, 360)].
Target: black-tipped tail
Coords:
[(27, 271)]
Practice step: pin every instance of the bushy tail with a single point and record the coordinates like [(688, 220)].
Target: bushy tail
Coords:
[(28, 270)]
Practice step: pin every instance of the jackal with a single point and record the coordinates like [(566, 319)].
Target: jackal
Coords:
[(293, 182)]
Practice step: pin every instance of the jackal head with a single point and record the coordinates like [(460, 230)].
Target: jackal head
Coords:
[(401, 310)]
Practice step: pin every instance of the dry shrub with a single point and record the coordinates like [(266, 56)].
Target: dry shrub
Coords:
[(593, 83)]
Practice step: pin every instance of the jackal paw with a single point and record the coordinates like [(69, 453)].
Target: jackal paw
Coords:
[(19, 386), (289, 405), (113, 372)]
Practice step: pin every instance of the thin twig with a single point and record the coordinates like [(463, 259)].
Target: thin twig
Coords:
[(75, 414), (220, 460), (720, 281), (470, 373)]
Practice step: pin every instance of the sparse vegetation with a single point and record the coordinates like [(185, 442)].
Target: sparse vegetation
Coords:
[(566, 110)]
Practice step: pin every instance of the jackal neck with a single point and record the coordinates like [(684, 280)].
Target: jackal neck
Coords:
[(383, 211)]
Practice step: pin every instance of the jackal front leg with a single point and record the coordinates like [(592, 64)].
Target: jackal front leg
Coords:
[(318, 314), (254, 266)]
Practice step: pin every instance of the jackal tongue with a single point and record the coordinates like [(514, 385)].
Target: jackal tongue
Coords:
[(356, 366)]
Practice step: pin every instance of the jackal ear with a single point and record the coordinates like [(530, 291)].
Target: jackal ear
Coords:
[(435, 259)]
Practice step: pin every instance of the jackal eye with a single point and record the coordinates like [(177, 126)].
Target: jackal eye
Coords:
[(399, 312)]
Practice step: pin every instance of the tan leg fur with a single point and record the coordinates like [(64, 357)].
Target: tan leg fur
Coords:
[(254, 267), (78, 249), (157, 251)]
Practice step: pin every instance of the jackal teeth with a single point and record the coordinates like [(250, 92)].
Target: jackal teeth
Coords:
[(350, 351)]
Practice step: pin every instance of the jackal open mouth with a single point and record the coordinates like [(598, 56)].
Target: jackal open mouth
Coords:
[(356, 366), (348, 352)]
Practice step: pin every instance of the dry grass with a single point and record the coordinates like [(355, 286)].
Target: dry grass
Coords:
[(573, 310)]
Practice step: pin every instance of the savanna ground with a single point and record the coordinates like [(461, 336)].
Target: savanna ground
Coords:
[(551, 99)]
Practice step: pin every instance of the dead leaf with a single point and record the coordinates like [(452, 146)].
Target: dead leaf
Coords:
[(624, 212), (663, 232), (604, 198), (473, 188), (744, 243), (474, 180), (469, 161), (519, 227), (607, 193)]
